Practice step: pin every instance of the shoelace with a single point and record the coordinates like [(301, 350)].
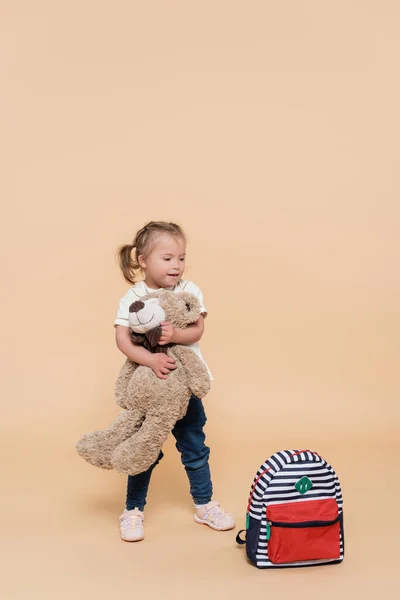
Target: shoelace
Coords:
[(216, 513), (128, 521)]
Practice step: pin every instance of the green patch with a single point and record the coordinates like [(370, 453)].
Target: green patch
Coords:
[(303, 485)]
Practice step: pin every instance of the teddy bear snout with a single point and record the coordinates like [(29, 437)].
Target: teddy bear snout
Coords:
[(136, 306)]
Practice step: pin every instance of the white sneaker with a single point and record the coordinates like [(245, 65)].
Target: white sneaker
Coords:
[(131, 525), (212, 515)]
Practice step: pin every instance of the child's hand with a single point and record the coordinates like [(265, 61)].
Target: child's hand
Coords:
[(167, 335), (162, 364)]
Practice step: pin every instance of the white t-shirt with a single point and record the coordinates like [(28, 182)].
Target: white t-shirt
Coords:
[(140, 289)]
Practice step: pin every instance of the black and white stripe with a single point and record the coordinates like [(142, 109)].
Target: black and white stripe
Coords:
[(276, 485)]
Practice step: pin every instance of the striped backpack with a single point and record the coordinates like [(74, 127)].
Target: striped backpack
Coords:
[(295, 513)]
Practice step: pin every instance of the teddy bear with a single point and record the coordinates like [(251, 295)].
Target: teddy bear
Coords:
[(150, 406)]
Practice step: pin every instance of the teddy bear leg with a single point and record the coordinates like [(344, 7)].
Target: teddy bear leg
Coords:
[(143, 384), (136, 454), (97, 447)]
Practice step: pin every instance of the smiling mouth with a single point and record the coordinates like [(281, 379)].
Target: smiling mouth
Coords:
[(146, 323)]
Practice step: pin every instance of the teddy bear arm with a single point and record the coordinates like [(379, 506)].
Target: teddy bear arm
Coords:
[(121, 385), (197, 375)]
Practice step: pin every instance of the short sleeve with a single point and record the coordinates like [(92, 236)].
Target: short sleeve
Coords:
[(123, 310), (203, 309)]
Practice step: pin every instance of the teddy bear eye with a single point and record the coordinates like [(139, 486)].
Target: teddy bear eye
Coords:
[(187, 306)]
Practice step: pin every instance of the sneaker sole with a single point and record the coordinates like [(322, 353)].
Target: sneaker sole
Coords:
[(136, 540), (204, 522)]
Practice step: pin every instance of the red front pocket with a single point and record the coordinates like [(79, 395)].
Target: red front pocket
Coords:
[(301, 531)]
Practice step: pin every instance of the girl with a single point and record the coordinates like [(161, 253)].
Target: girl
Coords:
[(160, 254)]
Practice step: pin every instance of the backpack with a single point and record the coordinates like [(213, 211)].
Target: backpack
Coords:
[(295, 513)]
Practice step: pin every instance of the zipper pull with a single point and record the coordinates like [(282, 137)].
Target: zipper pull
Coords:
[(268, 530), (247, 521)]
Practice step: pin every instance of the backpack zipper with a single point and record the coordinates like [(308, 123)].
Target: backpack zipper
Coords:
[(299, 525)]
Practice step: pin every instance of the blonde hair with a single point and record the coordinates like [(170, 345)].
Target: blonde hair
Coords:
[(142, 243)]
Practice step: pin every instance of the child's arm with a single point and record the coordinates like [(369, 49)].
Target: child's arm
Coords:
[(189, 335), (160, 363)]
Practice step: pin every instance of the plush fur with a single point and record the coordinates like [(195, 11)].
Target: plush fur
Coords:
[(151, 406)]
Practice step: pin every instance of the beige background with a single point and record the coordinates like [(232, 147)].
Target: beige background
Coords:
[(270, 131)]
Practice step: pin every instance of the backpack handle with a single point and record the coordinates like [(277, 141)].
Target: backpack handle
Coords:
[(239, 539)]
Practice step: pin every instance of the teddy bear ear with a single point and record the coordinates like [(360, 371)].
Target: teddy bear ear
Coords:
[(189, 300), (154, 336), (137, 338)]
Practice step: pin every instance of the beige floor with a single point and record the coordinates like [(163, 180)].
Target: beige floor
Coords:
[(60, 536)]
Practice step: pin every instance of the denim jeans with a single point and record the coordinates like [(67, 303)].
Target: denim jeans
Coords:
[(190, 439)]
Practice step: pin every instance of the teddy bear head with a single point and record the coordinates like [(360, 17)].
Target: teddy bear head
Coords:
[(147, 314)]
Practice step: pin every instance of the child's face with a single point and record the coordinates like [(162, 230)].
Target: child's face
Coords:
[(165, 264)]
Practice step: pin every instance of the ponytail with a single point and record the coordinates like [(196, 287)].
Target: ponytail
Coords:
[(127, 265)]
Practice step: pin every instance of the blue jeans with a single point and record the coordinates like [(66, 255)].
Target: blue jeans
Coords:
[(190, 439)]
